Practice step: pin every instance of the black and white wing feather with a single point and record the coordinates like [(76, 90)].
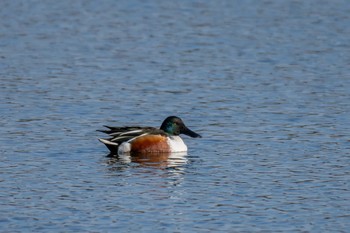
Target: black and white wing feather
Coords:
[(118, 135)]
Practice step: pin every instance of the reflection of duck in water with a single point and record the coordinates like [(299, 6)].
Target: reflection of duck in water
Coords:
[(162, 160), (145, 140)]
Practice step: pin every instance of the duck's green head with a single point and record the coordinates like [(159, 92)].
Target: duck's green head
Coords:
[(174, 126)]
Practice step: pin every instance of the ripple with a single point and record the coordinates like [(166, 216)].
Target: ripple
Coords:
[(265, 83)]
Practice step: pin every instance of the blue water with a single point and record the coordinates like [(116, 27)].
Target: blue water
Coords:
[(266, 83)]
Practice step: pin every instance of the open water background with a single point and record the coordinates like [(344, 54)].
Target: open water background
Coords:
[(266, 83)]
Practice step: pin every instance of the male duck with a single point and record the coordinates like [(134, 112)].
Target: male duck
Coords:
[(137, 139)]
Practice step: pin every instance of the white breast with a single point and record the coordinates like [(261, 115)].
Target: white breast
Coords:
[(176, 144)]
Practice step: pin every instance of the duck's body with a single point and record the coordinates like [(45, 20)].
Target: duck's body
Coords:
[(148, 139)]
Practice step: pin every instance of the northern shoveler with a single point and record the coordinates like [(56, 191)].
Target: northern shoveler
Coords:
[(137, 139)]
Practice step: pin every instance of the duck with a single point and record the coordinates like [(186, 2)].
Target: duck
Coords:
[(137, 139)]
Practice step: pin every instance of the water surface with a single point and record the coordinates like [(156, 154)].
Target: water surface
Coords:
[(266, 83)]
